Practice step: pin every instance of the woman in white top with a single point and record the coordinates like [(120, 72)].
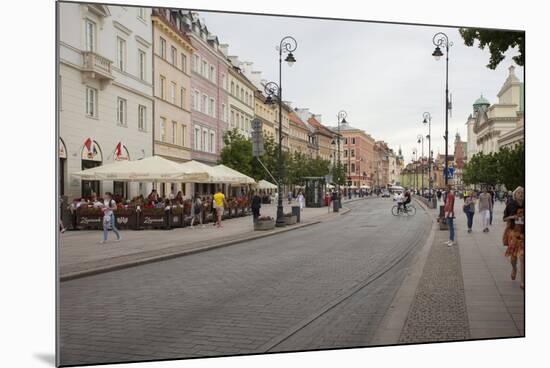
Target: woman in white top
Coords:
[(109, 205), (301, 200)]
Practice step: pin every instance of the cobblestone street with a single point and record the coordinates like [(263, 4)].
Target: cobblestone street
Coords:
[(326, 285)]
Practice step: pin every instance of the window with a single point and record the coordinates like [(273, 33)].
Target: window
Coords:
[(174, 56), (246, 97), (91, 102), (183, 62), (345, 141), (90, 35), (195, 65), (142, 65), (196, 100), (121, 111), (141, 117), (121, 53), (224, 82), (162, 87), (212, 140), (162, 129), (141, 13), (211, 109), (204, 140), (173, 92), (352, 153), (353, 141), (204, 103), (197, 138), (345, 153), (162, 48), (224, 113), (182, 135), (232, 87), (352, 168), (242, 94), (174, 132), (212, 75), (182, 98), (204, 67), (233, 119)]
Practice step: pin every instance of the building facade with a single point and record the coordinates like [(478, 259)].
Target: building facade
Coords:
[(358, 156), (209, 96), (488, 123), (172, 85), (105, 93), (241, 99), (298, 140)]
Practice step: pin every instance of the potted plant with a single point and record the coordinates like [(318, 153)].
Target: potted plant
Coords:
[(289, 219), (264, 223)]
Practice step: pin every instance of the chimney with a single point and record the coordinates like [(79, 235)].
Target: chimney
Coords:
[(234, 60), (224, 48)]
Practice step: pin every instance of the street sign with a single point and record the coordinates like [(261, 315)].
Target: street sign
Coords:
[(257, 138)]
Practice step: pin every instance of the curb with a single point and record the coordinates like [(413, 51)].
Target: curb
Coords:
[(392, 323), (181, 253)]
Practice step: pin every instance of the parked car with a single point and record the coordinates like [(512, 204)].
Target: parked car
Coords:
[(385, 194)]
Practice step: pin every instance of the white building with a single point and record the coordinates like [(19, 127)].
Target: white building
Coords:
[(105, 93), (489, 123)]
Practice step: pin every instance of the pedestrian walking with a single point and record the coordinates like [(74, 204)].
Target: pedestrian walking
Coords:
[(485, 207), (255, 205), (301, 200), (289, 197), (493, 199), (514, 233), (196, 210), (469, 209), (219, 205), (108, 206), (450, 214)]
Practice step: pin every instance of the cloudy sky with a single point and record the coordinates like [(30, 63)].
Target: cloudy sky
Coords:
[(383, 75)]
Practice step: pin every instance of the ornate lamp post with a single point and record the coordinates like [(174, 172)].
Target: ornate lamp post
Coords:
[(441, 39), (341, 120), (421, 139), (286, 46), (415, 166), (428, 120)]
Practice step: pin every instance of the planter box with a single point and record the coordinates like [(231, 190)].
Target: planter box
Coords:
[(89, 218), (152, 218), (290, 220), (264, 225), (125, 219)]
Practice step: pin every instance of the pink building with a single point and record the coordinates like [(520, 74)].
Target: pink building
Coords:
[(209, 106)]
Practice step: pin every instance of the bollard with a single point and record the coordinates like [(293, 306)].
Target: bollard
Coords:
[(296, 212)]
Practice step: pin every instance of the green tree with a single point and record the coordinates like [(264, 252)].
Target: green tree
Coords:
[(237, 152), (498, 42)]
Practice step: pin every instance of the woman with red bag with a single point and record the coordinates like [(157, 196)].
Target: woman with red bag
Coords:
[(514, 234)]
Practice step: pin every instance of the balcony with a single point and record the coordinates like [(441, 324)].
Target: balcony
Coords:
[(96, 67)]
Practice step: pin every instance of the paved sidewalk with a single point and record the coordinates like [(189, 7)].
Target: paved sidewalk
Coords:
[(460, 292), (80, 252)]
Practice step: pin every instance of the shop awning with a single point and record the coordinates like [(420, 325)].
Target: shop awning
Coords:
[(264, 184), (154, 168), (227, 175)]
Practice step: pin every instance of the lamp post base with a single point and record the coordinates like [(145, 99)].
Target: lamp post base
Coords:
[(280, 222)]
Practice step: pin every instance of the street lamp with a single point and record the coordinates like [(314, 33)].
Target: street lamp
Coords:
[(428, 120), (341, 119), (287, 45), (415, 165), (441, 39), (421, 139)]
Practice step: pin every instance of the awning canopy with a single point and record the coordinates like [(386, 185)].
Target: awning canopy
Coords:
[(365, 187), (264, 184), (154, 168), (227, 175)]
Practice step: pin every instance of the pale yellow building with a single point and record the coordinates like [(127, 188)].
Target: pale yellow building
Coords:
[(172, 86), (241, 99), (266, 113)]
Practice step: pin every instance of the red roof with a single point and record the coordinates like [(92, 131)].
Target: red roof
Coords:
[(296, 120), (316, 124)]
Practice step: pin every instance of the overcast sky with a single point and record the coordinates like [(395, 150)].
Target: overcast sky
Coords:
[(383, 75)]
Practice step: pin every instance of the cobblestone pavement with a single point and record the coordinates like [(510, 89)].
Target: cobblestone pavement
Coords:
[(319, 286), (80, 251), (465, 291)]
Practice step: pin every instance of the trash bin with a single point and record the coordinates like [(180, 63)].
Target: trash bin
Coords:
[(335, 205), (296, 212)]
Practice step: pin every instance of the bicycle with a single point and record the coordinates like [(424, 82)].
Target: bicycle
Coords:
[(397, 210)]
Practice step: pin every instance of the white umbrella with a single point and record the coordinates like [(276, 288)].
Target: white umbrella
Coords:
[(154, 168), (264, 184), (224, 174), (204, 173)]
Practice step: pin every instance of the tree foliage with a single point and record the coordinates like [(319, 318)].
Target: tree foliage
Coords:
[(506, 167), (498, 42), (237, 154)]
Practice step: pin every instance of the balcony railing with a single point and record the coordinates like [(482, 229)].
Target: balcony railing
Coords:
[(97, 66)]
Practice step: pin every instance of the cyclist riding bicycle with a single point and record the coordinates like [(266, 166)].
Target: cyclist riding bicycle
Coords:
[(406, 201)]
